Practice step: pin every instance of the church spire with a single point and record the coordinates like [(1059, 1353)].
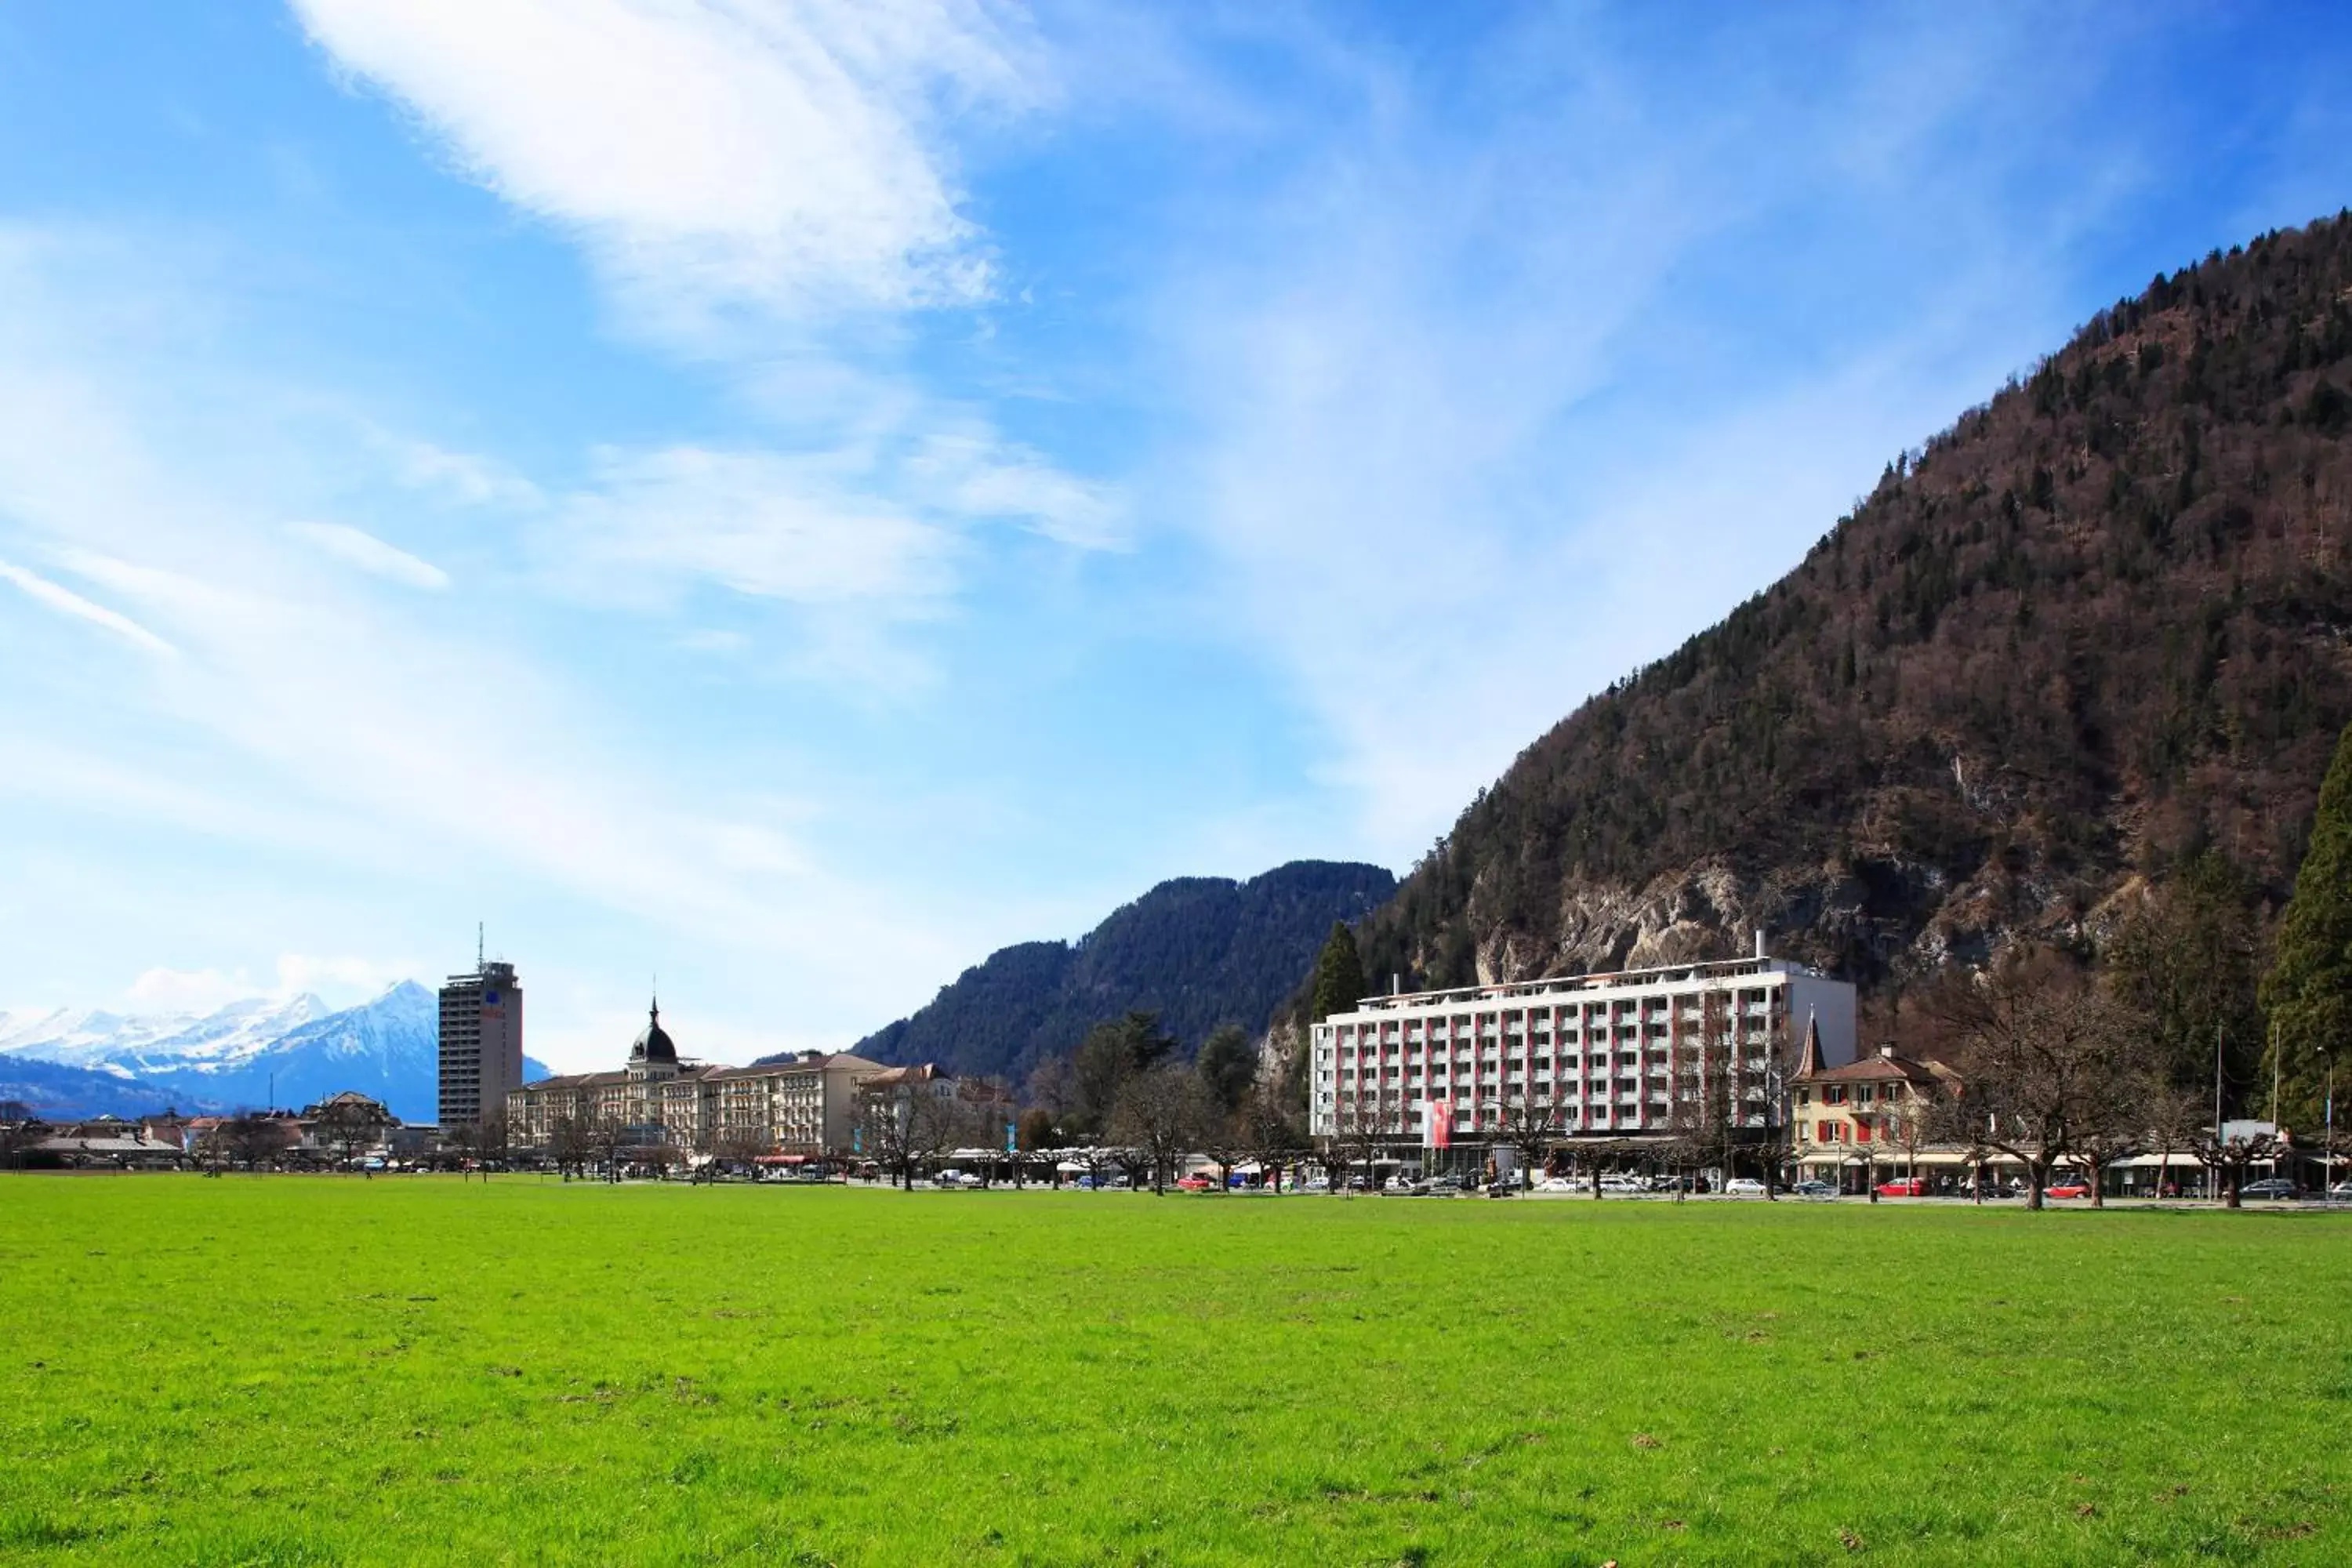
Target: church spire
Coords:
[(1809, 1061)]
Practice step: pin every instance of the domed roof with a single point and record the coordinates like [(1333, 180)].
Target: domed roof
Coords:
[(653, 1042)]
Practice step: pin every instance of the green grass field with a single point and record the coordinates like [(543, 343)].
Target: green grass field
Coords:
[(310, 1370)]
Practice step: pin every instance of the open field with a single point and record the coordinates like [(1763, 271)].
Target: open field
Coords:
[(305, 1370)]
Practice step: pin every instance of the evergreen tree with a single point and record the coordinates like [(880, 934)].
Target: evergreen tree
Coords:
[(2188, 961), (1338, 973), (1228, 1064), (2308, 992)]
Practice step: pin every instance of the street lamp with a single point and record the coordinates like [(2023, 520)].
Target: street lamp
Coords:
[(2327, 1149)]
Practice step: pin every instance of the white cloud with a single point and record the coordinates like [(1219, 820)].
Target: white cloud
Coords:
[(370, 554), (803, 530), (712, 152), (978, 476), (338, 980), (67, 601), (466, 477), (296, 723), (186, 990), (1482, 427)]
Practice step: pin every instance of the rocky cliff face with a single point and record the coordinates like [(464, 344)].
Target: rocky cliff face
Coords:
[(2097, 628)]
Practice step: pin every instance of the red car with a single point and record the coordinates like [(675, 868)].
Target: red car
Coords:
[(2068, 1187), (1197, 1185), (1916, 1187)]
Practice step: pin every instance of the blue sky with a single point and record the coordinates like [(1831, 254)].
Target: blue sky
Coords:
[(797, 497)]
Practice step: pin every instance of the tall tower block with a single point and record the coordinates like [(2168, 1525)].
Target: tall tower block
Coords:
[(481, 1043)]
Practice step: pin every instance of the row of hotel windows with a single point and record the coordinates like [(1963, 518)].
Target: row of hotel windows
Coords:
[(1601, 1028), (1628, 1063), (1593, 1012), (1544, 1075)]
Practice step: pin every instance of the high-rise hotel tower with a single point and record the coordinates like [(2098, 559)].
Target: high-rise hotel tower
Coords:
[(481, 1043)]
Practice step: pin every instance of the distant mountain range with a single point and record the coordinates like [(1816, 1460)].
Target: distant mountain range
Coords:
[(248, 1054), (1198, 951)]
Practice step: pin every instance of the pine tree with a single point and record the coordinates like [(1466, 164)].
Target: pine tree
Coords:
[(2308, 992), (1228, 1064), (1338, 973)]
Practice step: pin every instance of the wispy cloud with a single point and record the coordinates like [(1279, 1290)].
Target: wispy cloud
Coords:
[(370, 554), (772, 189), (977, 476), (1533, 359), (338, 979), (65, 601), (466, 477), (713, 156), (803, 530)]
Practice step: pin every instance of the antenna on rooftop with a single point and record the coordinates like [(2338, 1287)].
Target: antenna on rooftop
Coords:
[(477, 947)]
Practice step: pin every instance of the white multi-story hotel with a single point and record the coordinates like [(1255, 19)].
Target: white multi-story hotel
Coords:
[(1580, 1055)]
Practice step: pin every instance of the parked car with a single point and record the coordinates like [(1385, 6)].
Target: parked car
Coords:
[(2268, 1187), (1624, 1184), (2068, 1187), (2340, 1192), (1559, 1185), (1815, 1189), (1197, 1184), (1744, 1187)]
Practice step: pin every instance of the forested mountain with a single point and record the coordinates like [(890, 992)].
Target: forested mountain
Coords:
[(1198, 951), (2093, 630)]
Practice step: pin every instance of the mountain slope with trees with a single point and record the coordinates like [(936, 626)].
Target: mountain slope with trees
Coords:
[(1198, 952), (2093, 634)]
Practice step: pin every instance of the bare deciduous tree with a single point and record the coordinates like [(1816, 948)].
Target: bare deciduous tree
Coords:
[(1270, 1130), (347, 1125), (2229, 1158), (1159, 1112), (2175, 1119), (2040, 1053), (1367, 1126), (878, 1131)]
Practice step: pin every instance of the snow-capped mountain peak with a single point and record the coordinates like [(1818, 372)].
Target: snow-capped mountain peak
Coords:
[(141, 1046), (287, 1051)]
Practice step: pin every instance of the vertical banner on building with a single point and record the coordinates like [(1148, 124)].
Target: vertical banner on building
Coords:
[(1437, 1123), (1012, 1138)]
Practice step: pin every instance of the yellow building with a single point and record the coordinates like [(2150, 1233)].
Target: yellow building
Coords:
[(1869, 1119)]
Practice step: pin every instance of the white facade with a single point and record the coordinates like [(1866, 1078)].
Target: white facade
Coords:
[(1585, 1054)]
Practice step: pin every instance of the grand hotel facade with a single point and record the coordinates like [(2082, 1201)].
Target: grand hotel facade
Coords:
[(1589, 1054), (803, 1104)]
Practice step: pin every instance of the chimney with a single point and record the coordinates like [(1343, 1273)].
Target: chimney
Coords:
[(1886, 1052), (1396, 983), (1759, 941)]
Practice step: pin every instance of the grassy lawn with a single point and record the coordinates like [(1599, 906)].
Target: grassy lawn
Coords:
[(310, 1370)]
